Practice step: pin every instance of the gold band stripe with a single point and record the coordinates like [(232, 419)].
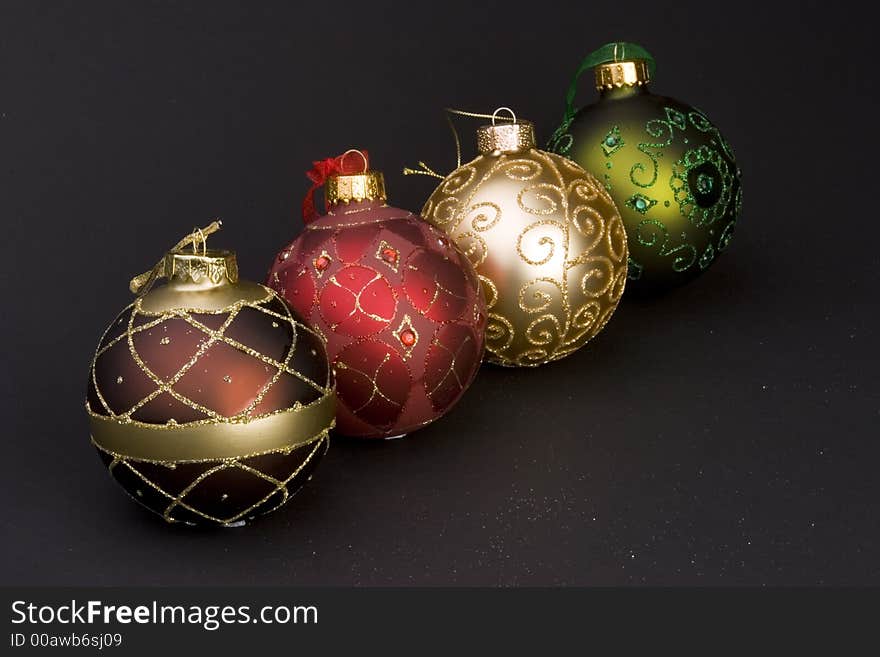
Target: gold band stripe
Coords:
[(221, 440)]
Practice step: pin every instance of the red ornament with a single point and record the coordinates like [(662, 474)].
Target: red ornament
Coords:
[(401, 308)]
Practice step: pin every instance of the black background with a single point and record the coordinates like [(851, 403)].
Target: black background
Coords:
[(725, 433)]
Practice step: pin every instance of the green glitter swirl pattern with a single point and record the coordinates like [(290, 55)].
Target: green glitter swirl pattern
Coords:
[(702, 177)]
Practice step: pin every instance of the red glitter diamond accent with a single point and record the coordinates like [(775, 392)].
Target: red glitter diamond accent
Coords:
[(408, 338), (389, 255), (322, 262)]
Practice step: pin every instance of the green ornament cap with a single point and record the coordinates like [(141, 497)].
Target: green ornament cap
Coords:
[(617, 64), (620, 64), (620, 51)]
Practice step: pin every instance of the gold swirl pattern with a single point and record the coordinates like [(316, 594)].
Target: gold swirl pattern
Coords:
[(490, 291), (444, 212), (500, 331), (548, 244), (482, 221), (520, 169), (473, 246), (543, 203), (458, 180)]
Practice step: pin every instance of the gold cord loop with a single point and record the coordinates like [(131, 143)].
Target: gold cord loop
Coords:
[(425, 170), (363, 157), (501, 109)]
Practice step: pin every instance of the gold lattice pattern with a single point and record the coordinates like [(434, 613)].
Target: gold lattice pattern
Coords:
[(282, 488), (287, 463), (213, 336)]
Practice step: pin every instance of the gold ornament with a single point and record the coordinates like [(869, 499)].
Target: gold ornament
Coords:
[(545, 238), (207, 400)]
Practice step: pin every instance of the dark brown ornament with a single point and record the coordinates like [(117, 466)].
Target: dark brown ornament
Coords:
[(208, 401)]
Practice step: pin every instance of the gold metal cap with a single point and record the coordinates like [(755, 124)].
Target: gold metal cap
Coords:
[(506, 138), (614, 75), (344, 188), (200, 271)]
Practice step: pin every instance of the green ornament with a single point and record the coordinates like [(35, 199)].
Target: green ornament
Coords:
[(668, 168)]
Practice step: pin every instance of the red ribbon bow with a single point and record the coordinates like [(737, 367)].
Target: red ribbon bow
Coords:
[(322, 170)]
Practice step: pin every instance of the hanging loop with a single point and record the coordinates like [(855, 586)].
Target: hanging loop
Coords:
[(560, 141), (450, 112), (501, 109), (354, 150)]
